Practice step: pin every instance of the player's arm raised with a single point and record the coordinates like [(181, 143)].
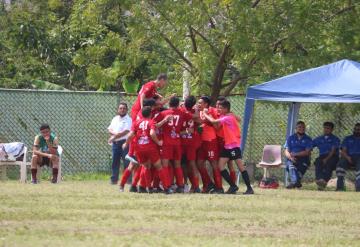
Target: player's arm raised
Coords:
[(210, 118), (165, 120)]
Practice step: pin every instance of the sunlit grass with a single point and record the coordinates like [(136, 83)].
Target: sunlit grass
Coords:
[(94, 213)]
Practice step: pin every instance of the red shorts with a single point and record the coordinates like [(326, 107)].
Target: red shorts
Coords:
[(189, 152), (209, 150), (145, 155), (171, 152)]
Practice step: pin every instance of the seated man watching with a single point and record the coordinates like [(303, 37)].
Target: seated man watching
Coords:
[(328, 145), (45, 153), (297, 151), (350, 158)]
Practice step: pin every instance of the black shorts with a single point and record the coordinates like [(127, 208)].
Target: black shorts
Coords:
[(232, 154), (45, 162)]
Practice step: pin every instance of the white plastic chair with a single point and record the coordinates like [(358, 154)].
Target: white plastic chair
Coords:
[(21, 163), (271, 158)]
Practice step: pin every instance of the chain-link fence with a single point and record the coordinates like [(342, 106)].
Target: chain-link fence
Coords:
[(80, 120)]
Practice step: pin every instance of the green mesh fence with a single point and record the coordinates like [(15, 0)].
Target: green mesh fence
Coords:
[(80, 120)]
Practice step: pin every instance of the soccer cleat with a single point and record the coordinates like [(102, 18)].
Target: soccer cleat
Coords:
[(133, 189), (54, 180), (298, 185), (357, 189), (158, 190), (142, 190), (131, 159), (217, 191), (197, 190), (249, 191), (232, 190), (168, 191), (121, 188), (179, 189), (34, 181), (291, 186), (321, 183), (210, 188)]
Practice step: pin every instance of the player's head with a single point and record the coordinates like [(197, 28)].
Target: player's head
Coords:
[(158, 102), (224, 107), (204, 102), (161, 80), (122, 109), (328, 128), (174, 102), (300, 128), (219, 100), (357, 130), (190, 101), (45, 130), (149, 102), (146, 112)]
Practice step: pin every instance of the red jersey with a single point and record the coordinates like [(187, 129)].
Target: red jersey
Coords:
[(192, 139), (171, 130), (209, 132), (149, 89), (142, 129)]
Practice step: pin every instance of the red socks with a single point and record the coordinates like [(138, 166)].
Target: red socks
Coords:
[(136, 176), (125, 177), (156, 179), (217, 178), (233, 176), (204, 176), (179, 176), (171, 173), (148, 177), (164, 177)]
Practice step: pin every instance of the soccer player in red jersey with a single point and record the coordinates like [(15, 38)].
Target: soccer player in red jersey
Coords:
[(134, 167), (171, 123), (190, 143), (147, 151), (209, 148), (231, 149), (147, 91)]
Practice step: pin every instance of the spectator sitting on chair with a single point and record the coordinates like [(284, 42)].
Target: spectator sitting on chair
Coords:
[(350, 158), (328, 145), (119, 129), (45, 153), (297, 151)]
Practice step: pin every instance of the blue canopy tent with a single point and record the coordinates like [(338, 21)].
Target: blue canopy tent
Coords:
[(338, 82)]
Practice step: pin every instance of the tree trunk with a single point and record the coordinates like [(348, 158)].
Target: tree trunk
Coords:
[(219, 73), (186, 81)]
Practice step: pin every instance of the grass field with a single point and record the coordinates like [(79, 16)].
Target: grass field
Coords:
[(94, 213)]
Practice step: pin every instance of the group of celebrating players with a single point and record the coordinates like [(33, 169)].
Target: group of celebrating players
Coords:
[(191, 133)]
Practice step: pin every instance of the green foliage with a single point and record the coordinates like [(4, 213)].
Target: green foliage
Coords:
[(225, 45)]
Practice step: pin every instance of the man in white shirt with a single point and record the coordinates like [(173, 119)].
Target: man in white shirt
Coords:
[(119, 129)]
